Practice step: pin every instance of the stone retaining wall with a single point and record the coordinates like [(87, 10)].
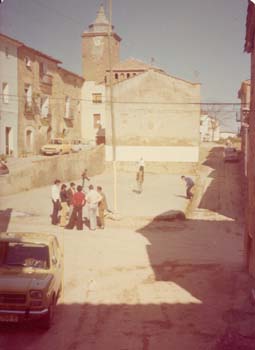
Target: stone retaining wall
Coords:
[(44, 171)]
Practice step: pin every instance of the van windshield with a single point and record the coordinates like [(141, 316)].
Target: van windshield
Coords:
[(24, 254)]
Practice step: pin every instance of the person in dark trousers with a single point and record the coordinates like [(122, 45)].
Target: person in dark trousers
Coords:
[(70, 193), (84, 177), (64, 206), (189, 185), (55, 197), (140, 179), (102, 206), (76, 216)]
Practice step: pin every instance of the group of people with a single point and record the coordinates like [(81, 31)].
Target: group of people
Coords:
[(140, 179), (68, 204)]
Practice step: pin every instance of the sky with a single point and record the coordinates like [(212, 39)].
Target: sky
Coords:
[(196, 40)]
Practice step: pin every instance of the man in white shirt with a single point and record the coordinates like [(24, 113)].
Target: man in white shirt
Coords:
[(55, 196), (93, 198)]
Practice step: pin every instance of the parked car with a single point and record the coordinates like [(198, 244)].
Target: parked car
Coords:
[(76, 145), (31, 270), (231, 154), (3, 168), (57, 146)]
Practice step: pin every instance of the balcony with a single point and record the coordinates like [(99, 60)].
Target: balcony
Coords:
[(45, 120), (46, 83), (69, 118)]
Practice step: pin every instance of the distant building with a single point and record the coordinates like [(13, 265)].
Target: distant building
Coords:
[(249, 237), (227, 134), (209, 128), (154, 114)]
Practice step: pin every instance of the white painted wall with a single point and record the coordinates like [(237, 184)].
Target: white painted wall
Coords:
[(88, 109), (156, 153), (9, 111), (207, 130)]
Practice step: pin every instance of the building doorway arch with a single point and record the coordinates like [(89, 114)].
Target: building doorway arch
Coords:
[(29, 140)]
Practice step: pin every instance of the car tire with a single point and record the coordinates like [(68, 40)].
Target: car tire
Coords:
[(47, 320)]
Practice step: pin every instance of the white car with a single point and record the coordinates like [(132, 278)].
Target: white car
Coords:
[(76, 145), (57, 146)]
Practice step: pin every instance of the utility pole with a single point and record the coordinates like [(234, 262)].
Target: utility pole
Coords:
[(112, 110)]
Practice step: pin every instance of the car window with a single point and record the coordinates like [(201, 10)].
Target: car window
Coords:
[(24, 254)]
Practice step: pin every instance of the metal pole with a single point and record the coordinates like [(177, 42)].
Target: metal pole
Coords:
[(112, 111)]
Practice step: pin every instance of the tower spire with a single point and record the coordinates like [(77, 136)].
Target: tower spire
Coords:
[(101, 23)]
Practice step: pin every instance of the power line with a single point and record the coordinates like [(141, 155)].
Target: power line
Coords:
[(52, 8), (233, 104)]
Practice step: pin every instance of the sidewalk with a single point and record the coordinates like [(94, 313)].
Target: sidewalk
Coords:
[(163, 194)]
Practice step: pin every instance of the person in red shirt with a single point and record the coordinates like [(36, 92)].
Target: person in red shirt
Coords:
[(78, 202)]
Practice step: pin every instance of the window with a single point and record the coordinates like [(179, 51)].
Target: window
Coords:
[(67, 107), (116, 76), (43, 69), (28, 94), (44, 106), (97, 120), (97, 98), (5, 92), (27, 62), (128, 75)]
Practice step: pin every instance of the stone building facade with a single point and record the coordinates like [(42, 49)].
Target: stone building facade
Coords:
[(249, 236), (45, 103), (36, 72), (96, 46)]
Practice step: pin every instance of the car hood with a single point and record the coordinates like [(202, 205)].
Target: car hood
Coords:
[(25, 280)]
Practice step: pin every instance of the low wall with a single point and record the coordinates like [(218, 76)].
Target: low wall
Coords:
[(44, 171)]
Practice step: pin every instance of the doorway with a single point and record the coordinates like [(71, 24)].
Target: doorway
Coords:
[(29, 140), (8, 140)]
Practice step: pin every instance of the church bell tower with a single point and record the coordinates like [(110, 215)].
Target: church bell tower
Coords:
[(95, 48)]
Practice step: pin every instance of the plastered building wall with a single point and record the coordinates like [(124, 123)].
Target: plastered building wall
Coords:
[(9, 110), (89, 108), (156, 116), (66, 85)]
